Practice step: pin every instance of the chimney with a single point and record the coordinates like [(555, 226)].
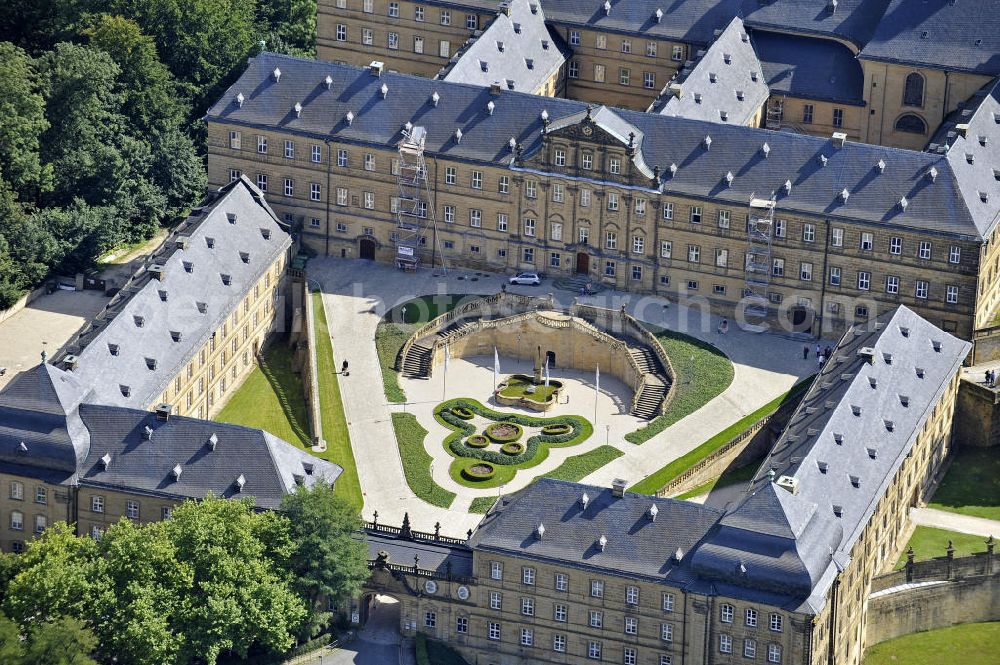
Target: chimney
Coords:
[(155, 271), (618, 487), (602, 542), (962, 128), (147, 433), (70, 362), (658, 15), (839, 138), (183, 242), (213, 441), (867, 354), (328, 81), (177, 471), (495, 88), (676, 89), (277, 75), (505, 8), (376, 67), (162, 411)]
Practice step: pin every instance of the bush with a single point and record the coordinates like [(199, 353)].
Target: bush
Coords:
[(462, 412), (512, 448), (478, 470), (504, 432), (477, 441), (557, 429)]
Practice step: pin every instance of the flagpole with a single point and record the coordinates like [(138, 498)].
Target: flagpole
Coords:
[(597, 389)]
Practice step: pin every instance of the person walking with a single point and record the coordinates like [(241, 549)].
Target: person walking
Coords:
[(805, 352), (343, 369), (986, 380), (819, 360)]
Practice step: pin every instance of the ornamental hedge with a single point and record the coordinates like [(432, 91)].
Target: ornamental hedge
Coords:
[(579, 429), (503, 432), (462, 413), (556, 429), (478, 470), (512, 448), (477, 441)]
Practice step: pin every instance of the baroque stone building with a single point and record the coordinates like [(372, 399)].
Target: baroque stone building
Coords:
[(642, 201), (566, 573)]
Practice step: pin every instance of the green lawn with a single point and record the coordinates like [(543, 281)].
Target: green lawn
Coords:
[(482, 504), (740, 476), (338, 440), (578, 466), (929, 543), (972, 484), (271, 398), (653, 482), (417, 462), (396, 327), (518, 388), (697, 381), (967, 644)]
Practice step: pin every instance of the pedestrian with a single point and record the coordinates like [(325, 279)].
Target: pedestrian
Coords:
[(991, 380), (723, 327), (987, 379), (819, 360), (343, 369), (818, 350), (805, 352)]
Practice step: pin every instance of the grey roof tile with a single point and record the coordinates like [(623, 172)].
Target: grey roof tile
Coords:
[(851, 20), (689, 21), (438, 557), (810, 68)]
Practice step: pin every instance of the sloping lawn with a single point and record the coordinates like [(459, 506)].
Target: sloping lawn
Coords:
[(967, 644), (702, 373), (579, 466), (930, 543), (417, 461), (271, 398), (971, 485), (482, 504)]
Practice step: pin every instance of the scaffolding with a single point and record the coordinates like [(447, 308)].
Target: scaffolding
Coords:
[(415, 208), (757, 271)]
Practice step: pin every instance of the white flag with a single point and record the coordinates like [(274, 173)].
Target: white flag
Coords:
[(496, 365), (546, 371), (597, 380), (447, 356)]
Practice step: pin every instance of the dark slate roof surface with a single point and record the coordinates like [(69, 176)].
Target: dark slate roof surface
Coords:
[(936, 206), (853, 20), (686, 20), (810, 68), (956, 35), (432, 556)]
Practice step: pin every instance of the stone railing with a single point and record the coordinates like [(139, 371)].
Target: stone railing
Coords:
[(940, 569), (416, 571), (406, 533)]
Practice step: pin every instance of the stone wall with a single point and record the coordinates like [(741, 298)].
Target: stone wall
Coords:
[(310, 376), (977, 416)]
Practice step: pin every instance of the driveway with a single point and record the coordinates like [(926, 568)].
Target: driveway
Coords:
[(377, 644)]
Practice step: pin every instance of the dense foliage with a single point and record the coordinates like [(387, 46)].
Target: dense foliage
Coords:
[(218, 578), (102, 100)]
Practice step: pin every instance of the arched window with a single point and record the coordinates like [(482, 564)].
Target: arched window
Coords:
[(913, 90), (912, 124)]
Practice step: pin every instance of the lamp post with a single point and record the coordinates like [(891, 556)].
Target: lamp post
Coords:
[(607, 434)]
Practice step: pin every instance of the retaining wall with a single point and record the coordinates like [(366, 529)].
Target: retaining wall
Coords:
[(977, 416)]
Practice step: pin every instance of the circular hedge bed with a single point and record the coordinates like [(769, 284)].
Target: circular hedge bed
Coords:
[(477, 441), (512, 448), (503, 432), (557, 428), (462, 412), (478, 470)]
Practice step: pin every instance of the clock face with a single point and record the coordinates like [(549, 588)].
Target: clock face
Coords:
[(587, 130), (463, 593), (430, 586)]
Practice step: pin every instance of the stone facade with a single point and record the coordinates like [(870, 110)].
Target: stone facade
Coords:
[(28, 505)]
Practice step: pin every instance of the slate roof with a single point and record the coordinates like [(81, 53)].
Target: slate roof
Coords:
[(516, 51), (269, 467), (433, 556), (957, 35), (853, 21), (725, 84), (636, 543), (809, 68), (688, 21), (842, 447), (938, 206), (118, 353)]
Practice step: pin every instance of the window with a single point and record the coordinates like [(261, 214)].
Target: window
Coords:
[(911, 124), (749, 648), (450, 175), (594, 650), (774, 653), (585, 198), (503, 185), (262, 144), (502, 221), (342, 196), (866, 242), (628, 656), (445, 17), (895, 245), (724, 218), (367, 6), (430, 619), (493, 630), (666, 249), (632, 595), (587, 161), (528, 255), (913, 90), (558, 192), (16, 520), (838, 117), (556, 233), (562, 582), (864, 280), (495, 600), (132, 509), (613, 201), (574, 37), (317, 154), (615, 165), (560, 157), (341, 32), (596, 588), (393, 40), (574, 69), (418, 13), (774, 622), (668, 602), (369, 200), (235, 141), (955, 254), (891, 284), (289, 187), (808, 233), (599, 73), (367, 36), (751, 617), (527, 637), (725, 643), (807, 113), (559, 612), (694, 214), (477, 180), (694, 253), (596, 619), (262, 182), (637, 273), (529, 227), (609, 271), (313, 222), (97, 504), (805, 271), (584, 235), (600, 41), (667, 632), (471, 21), (726, 613), (921, 289), (677, 53), (834, 276), (496, 570), (651, 49), (559, 643), (40, 495), (722, 258), (462, 625), (528, 607), (444, 48), (41, 521), (638, 244), (528, 576), (648, 80), (531, 189), (626, 46), (475, 218), (778, 268), (668, 210), (780, 227), (623, 76), (394, 9), (951, 294), (449, 214), (369, 161), (234, 175), (925, 250)]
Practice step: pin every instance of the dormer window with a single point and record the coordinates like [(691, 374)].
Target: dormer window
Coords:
[(905, 332), (210, 242), (822, 466), (838, 439), (904, 400), (226, 279), (712, 77), (245, 257), (163, 295), (175, 335), (872, 381), (125, 390), (889, 425), (202, 307), (188, 266), (919, 371), (139, 321), (855, 409), (151, 363), (838, 510), (113, 349), (872, 453), (855, 481), (231, 216), (265, 234), (936, 345)]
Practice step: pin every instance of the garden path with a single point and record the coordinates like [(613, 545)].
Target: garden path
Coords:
[(943, 519)]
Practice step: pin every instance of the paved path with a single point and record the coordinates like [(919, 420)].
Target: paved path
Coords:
[(357, 293), (942, 519), (377, 644)]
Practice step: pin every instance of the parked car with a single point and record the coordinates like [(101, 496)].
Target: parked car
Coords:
[(528, 278)]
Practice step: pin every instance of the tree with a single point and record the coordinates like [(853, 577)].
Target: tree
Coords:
[(23, 111), (11, 650), (64, 641), (329, 561), (289, 25)]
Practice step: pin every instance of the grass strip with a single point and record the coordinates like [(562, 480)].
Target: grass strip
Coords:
[(578, 467), (968, 644), (653, 482), (417, 462), (971, 486), (930, 543), (742, 475), (482, 504)]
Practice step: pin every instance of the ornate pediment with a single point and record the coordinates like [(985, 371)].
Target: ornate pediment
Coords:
[(584, 127)]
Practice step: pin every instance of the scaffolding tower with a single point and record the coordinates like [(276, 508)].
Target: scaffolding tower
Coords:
[(757, 272), (415, 209)]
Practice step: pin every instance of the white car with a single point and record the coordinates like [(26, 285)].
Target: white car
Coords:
[(528, 278)]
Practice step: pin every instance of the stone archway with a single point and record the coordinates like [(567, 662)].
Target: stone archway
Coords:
[(380, 616), (366, 249)]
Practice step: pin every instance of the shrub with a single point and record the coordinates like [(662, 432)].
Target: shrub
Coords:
[(512, 448), (504, 431), (462, 412), (477, 441), (478, 470), (556, 429)]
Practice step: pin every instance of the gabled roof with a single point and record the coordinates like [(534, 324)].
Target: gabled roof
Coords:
[(516, 51), (177, 461), (157, 325), (816, 170), (954, 35), (852, 21), (809, 68), (725, 84)]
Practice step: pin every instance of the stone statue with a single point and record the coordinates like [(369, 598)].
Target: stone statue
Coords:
[(538, 365)]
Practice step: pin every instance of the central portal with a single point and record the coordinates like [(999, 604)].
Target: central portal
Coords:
[(582, 263)]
